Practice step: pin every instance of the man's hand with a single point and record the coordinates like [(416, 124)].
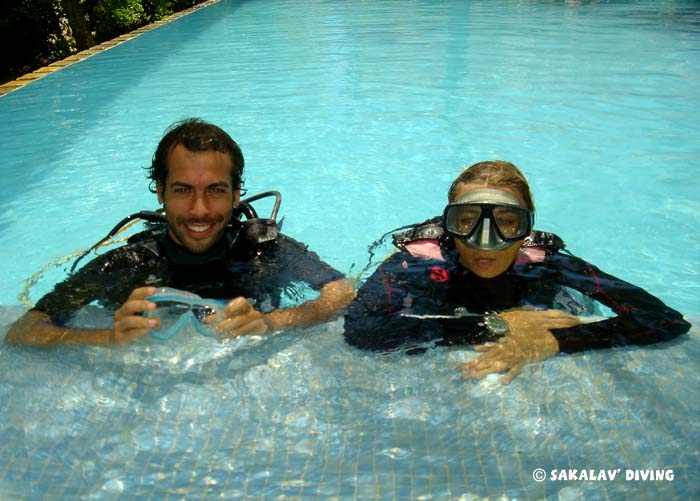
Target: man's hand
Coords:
[(528, 340), (241, 320), (129, 322), (35, 328)]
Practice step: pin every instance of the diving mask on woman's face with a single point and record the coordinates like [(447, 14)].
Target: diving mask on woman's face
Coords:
[(177, 309), (487, 219)]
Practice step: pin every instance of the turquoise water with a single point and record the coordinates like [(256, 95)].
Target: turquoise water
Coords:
[(361, 113)]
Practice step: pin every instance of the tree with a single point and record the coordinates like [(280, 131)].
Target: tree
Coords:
[(110, 18), (31, 35), (35, 33), (75, 15)]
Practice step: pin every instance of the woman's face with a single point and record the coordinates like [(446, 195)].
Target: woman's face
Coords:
[(487, 263)]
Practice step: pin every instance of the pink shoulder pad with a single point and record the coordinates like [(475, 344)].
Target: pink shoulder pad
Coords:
[(428, 248), (528, 255)]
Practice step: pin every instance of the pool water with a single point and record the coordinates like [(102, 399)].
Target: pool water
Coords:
[(361, 114)]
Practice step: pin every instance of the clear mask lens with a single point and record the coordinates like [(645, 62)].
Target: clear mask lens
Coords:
[(487, 226), (177, 309)]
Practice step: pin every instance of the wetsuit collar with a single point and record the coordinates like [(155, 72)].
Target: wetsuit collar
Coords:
[(218, 252)]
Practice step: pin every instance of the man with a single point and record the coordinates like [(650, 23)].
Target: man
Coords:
[(197, 172)]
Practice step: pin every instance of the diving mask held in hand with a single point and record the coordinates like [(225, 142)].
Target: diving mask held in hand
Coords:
[(487, 219), (176, 309)]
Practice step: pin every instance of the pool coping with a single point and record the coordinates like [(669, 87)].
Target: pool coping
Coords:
[(28, 78)]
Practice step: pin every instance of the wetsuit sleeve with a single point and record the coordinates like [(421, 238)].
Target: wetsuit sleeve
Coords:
[(107, 279), (298, 263), (373, 321), (641, 318)]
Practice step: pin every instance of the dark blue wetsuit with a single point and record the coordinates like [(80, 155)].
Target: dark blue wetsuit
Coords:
[(425, 277), (237, 265)]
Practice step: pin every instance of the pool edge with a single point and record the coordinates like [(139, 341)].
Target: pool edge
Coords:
[(28, 78)]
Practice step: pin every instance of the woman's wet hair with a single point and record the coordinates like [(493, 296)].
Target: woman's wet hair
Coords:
[(195, 135), (497, 173)]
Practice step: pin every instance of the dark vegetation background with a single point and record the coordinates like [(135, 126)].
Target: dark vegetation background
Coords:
[(34, 33)]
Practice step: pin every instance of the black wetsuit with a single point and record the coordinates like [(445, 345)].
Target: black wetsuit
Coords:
[(234, 266), (405, 283)]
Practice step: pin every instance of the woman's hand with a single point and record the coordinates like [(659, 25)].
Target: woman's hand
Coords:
[(528, 340)]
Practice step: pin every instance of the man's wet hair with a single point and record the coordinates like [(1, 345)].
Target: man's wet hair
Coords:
[(196, 135)]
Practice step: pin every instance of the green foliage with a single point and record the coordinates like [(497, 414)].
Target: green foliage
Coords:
[(38, 32), (110, 18), (31, 35), (157, 9)]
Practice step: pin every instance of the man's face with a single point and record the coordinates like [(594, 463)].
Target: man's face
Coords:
[(198, 197)]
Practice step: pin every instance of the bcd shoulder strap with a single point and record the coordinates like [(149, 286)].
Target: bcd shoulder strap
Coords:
[(427, 230), (148, 239), (551, 242)]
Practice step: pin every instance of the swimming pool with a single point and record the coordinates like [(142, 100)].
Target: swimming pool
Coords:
[(361, 114)]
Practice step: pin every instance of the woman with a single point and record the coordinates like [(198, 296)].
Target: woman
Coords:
[(453, 273)]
